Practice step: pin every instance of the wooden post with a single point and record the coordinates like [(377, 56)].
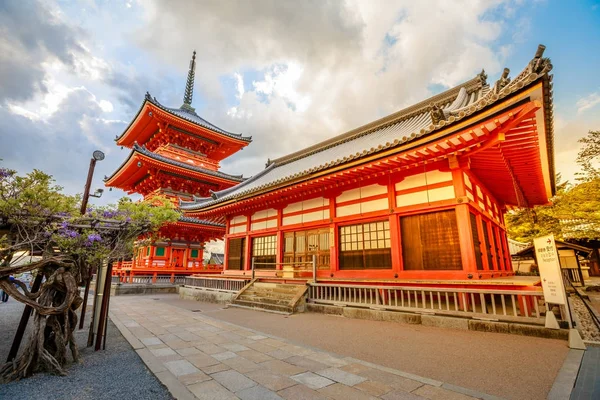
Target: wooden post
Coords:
[(85, 297), (252, 267), (467, 248), (14, 349), (314, 267), (104, 307)]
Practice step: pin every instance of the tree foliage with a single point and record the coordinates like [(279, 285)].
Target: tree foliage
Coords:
[(38, 219), (574, 212)]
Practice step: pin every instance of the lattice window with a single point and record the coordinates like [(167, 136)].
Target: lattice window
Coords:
[(365, 246), (430, 241), (264, 250)]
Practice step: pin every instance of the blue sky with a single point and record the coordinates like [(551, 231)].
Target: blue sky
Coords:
[(73, 74)]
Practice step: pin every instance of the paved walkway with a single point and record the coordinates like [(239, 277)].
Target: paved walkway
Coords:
[(197, 356), (101, 375)]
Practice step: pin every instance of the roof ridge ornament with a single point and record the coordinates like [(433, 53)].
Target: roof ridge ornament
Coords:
[(436, 113), (482, 77), (189, 86), (538, 63), (503, 81)]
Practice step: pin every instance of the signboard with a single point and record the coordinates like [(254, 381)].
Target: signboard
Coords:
[(550, 273)]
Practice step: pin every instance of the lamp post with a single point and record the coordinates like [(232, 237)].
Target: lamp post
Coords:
[(96, 156)]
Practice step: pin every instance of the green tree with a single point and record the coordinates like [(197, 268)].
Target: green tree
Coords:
[(574, 212), (36, 217)]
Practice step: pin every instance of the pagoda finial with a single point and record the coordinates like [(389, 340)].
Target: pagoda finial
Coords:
[(189, 85)]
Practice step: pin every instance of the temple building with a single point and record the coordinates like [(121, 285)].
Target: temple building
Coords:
[(417, 196), (175, 153)]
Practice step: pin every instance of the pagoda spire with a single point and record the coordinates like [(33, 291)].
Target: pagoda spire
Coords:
[(189, 85)]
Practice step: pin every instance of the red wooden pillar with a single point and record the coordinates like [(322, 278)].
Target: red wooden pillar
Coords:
[(248, 249), (172, 277), (334, 239), (226, 255), (248, 256), (395, 235), (467, 247), (154, 277), (396, 242), (279, 255)]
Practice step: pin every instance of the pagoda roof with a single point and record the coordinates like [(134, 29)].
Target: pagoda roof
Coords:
[(186, 113), (143, 151), (394, 131)]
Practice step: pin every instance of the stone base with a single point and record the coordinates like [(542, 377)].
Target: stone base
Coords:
[(132, 288), (207, 295), (440, 321)]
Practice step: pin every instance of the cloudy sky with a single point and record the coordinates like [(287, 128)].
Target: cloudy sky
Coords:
[(289, 73)]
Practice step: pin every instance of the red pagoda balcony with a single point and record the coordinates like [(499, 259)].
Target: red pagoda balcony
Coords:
[(128, 270)]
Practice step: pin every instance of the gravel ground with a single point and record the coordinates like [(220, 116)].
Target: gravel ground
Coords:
[(588, 327), (116, 373)]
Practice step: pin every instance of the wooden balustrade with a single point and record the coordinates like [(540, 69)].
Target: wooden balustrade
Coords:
[(219, 284), (505, 305)]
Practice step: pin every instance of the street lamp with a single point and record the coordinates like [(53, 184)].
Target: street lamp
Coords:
[(97, 155)]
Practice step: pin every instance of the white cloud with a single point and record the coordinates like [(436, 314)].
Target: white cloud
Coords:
[(588, 102), (106, 106), (239, 80)]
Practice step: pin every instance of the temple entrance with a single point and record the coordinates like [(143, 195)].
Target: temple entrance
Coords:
[(177, 258), (299, 248)]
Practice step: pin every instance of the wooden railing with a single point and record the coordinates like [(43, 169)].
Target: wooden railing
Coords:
[(505, 305), (220, 284), (312, 263), (151, 280)]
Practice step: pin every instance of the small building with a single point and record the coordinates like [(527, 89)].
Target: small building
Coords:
[(216, 259), (418, 195), (573, 258)]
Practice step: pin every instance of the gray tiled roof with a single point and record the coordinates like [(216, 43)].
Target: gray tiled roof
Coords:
[(192, 220), (188, 115), (191, 116), (143, 150), (392, 131)]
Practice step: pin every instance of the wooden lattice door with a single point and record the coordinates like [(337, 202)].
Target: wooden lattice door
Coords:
[(299, 248)]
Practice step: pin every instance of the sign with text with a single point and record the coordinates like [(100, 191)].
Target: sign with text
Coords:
[(549, 266)]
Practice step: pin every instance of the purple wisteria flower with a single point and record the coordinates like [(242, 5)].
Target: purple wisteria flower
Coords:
[(94, 237)]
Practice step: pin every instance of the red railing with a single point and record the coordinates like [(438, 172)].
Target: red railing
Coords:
[(127, 270)]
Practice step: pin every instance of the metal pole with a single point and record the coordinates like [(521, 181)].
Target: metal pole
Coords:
[(314, 265), (88, 185), (14, 349), (252, 267)]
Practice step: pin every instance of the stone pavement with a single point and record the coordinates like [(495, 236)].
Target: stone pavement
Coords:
[(587, 385), (197, 356)]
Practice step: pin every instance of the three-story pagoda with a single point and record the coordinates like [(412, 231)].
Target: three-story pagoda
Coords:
[(175, 153)]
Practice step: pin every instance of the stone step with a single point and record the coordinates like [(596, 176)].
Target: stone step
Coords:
[(266, 300), (276, 285), (269, 293), (264, 306)]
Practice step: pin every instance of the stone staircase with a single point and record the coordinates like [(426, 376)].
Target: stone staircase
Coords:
[(274, 297)]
